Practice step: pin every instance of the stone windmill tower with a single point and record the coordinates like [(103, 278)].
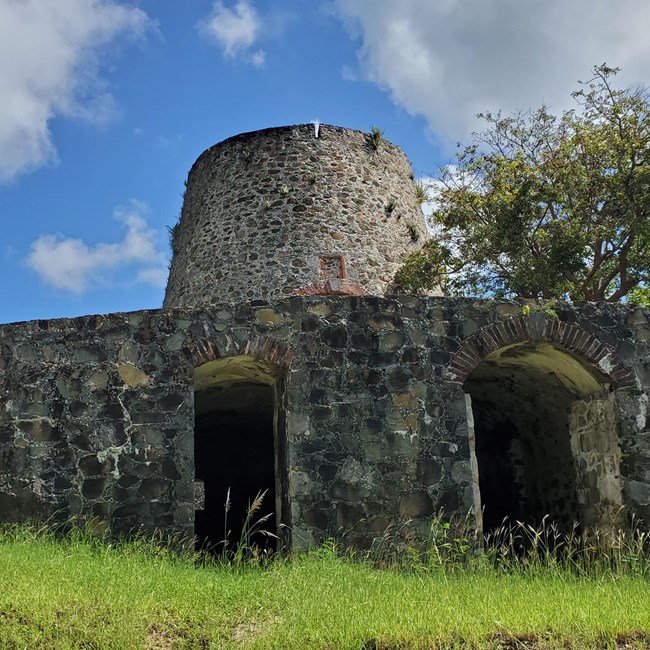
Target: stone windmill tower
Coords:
[(294, 210)]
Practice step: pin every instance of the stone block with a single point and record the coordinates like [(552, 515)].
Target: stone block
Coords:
[(415, 504)]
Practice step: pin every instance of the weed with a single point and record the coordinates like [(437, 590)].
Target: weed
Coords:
[(375, 138), (421, 194), (592, 552), (245, 548), (413, 231), (172, 232), (544, 306)]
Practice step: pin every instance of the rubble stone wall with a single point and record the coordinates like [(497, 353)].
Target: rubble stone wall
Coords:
[(97, 415), (271, 213), (596, 454)]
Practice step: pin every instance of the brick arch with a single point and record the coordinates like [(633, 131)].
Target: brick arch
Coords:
[(538, 328), (202, 350)]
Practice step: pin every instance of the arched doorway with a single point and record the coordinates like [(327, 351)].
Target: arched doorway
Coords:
[(546, 441), (238, 450)]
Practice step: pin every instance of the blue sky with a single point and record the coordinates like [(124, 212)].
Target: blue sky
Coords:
[(106, 105)]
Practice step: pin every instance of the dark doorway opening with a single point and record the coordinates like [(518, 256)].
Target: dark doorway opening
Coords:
[(545, 440), (234, 452)]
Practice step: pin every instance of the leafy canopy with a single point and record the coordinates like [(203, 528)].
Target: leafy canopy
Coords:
[(547, 207)]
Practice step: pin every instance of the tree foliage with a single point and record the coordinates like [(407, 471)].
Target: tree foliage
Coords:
[(547, 206)]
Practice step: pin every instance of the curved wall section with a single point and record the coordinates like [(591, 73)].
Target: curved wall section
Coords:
[(278, 212)]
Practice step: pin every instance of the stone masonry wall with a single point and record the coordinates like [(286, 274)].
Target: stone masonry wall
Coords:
[(268, 214), (597, 457), (96, 413)]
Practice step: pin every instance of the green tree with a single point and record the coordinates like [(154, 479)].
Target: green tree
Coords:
[(547, 206)]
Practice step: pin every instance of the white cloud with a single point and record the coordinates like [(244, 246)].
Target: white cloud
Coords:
[(72, 265), (450, 59), (432, 187), (49, 66), (235, 30), (258, 59), (156, 276)]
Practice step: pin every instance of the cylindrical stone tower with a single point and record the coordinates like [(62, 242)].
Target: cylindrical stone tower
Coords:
[(294, 210)]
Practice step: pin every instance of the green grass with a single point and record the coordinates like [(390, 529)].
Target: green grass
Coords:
[(81, 593)]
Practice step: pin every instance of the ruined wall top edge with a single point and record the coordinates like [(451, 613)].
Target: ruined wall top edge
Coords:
[(618, 316), (280, 212)]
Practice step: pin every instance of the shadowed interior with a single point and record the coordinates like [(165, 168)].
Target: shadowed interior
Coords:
[(529, 465), (234, 405)]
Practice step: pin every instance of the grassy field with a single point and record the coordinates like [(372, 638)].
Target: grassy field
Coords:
[(80, 593)]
